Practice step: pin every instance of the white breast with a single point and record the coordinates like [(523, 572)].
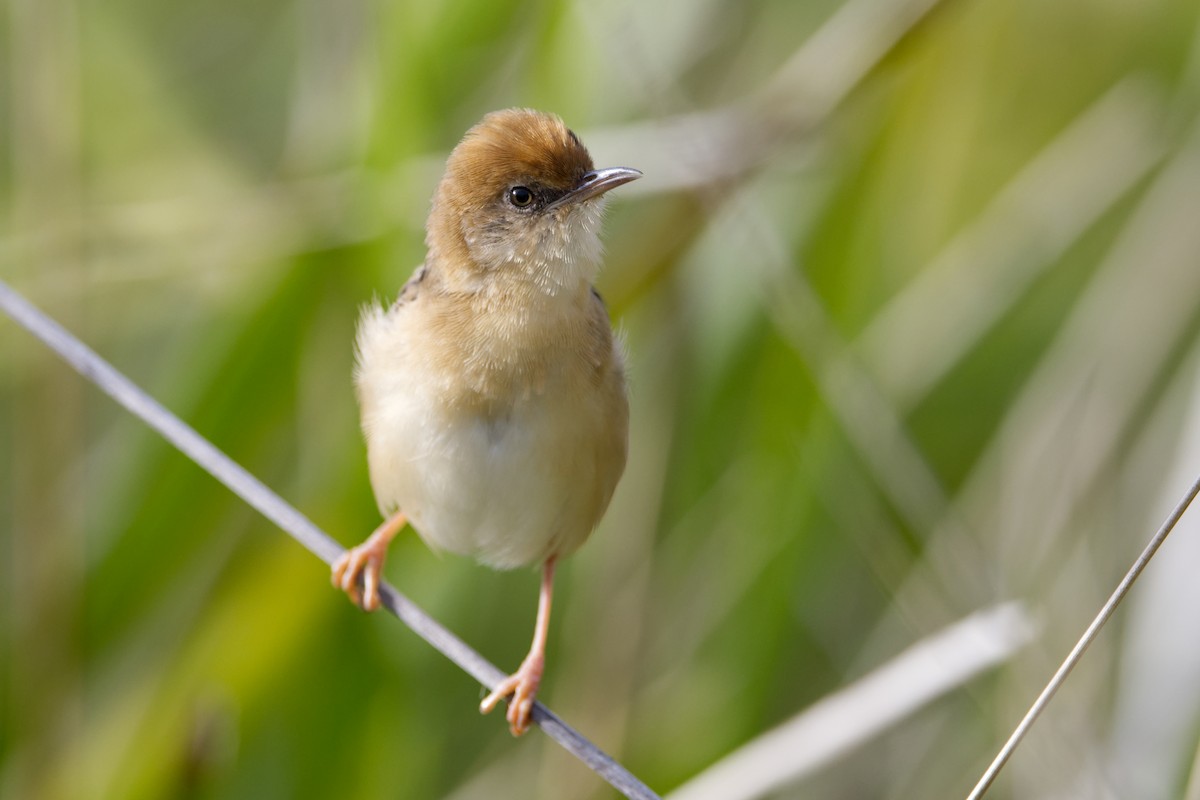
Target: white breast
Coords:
[(510, 487)]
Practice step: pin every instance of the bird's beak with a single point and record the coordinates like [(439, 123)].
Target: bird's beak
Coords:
[(595, 183)]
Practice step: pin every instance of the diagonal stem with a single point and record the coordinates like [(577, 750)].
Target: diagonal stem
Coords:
[(1082, 645), (299, 527)]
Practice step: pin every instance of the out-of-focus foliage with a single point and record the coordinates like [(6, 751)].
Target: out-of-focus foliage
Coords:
[(911, 292)]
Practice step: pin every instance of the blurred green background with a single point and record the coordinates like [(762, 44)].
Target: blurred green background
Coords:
[(911, 291)]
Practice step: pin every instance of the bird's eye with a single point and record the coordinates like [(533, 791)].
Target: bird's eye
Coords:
[(520, 197)]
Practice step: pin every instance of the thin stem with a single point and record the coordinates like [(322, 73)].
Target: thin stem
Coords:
[(298, 526), (1082, 645)]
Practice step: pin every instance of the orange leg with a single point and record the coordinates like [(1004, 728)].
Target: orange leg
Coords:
[(523, 684), (365, 562)]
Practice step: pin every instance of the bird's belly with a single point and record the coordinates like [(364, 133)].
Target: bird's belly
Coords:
[(509, 489)]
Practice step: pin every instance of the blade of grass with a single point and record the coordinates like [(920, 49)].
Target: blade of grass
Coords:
[(844, 720)]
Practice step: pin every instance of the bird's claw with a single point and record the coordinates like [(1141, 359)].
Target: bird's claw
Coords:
[(365, 563), (522, 685)]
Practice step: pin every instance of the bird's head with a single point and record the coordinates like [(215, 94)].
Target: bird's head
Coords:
[(520, 198)]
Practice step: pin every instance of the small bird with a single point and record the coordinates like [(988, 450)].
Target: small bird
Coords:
[(492, 392)]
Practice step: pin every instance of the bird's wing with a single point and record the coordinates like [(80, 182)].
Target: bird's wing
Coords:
[(411, 288)]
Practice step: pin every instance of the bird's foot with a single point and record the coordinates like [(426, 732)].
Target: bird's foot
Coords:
[(357, 571), (362, 563), (523, 686)]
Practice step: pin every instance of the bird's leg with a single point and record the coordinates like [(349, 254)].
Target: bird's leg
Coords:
[(523, 684), (365, 562)]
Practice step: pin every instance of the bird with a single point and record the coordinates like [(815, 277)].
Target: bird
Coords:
[(492, 392)]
